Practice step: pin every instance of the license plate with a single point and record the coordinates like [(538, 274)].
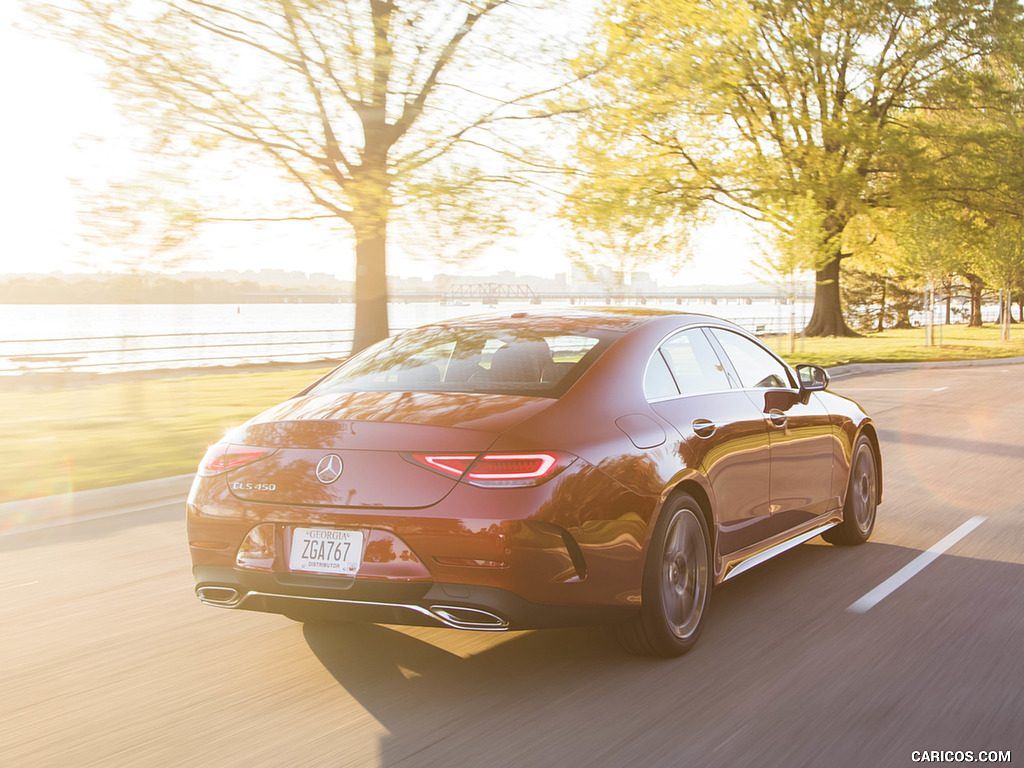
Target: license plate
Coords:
[(326, 550)]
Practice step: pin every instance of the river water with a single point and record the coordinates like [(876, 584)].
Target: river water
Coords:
[(105, 337)]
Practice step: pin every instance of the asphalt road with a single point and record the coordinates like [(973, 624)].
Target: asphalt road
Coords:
[(107, 659)]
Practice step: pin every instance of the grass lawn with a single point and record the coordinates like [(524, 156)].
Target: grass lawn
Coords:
[(60, 440), (958, 343)]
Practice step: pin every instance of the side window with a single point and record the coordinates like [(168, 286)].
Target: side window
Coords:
[(658, 381), (694, 364), (757, 368)]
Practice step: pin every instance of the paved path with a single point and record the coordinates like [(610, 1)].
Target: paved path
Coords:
[(108, 659)]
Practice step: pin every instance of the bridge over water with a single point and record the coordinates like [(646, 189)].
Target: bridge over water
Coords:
[(493, 293)]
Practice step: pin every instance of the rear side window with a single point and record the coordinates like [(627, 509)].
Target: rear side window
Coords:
[(757, 367), (694, 364), (686, 364), (484, 358), (658, 381)]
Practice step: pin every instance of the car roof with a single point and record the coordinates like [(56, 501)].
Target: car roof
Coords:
[(598, 318)]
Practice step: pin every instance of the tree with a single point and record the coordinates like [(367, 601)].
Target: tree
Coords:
[(875, 301), (798, 250), (1002, 261), (971, 191), (911, 250), (751, 104), (619, 229), (880, 288), (152, 230), (367, 107), (619, 225)]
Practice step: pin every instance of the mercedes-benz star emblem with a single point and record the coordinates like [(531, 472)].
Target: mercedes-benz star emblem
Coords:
[(329, 469)]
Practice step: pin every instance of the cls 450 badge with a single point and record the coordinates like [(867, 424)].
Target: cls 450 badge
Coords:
[(253, 486)]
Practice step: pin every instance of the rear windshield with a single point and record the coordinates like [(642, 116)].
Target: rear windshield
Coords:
[(519, 361)]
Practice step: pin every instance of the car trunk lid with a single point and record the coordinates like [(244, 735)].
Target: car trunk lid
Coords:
[(368, 433)]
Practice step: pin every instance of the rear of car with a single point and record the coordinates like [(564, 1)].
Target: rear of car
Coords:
[(396, 490)]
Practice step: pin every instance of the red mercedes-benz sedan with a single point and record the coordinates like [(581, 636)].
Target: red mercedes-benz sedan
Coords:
[(530, 470)]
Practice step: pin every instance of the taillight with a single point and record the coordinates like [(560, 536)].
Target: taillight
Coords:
[(455, 466), (496, 470), (512, 466), (221, 457)]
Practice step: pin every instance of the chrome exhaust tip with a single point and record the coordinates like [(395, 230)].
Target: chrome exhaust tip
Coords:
[(222, 596), (458, 617)]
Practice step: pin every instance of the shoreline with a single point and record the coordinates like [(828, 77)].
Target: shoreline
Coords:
[(43, 382)]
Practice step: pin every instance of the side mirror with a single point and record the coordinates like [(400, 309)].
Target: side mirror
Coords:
[(813, 378)]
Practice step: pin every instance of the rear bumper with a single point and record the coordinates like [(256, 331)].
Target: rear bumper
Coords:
[(330, 598), (527, 554)]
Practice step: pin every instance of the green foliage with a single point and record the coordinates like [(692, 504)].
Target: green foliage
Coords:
[(756, 106), (798, 242), (1001, 259)]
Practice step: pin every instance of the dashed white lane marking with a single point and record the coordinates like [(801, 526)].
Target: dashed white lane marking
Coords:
[(894, 389), (914, 567), (17, 586)]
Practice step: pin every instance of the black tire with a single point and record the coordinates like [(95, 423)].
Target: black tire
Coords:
[(861, 498), (677, 584)]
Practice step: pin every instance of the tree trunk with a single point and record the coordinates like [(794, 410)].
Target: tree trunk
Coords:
[(371, 206), (827, 316), (976, 284), (903, 321), (371, 290)]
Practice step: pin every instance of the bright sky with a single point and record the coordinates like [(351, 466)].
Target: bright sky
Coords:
[(52, 100)]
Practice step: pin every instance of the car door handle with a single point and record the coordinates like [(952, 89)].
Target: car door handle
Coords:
[(778, 418), (704, 428)]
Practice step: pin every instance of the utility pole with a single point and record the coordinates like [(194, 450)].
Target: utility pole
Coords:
[(929, 338)]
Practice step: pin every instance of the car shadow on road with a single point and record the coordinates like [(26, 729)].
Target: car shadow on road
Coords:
[(431, 686), (424, 693), (781, 655)]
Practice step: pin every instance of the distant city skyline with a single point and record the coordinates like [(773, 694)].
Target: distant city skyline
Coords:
[(641, 281)]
